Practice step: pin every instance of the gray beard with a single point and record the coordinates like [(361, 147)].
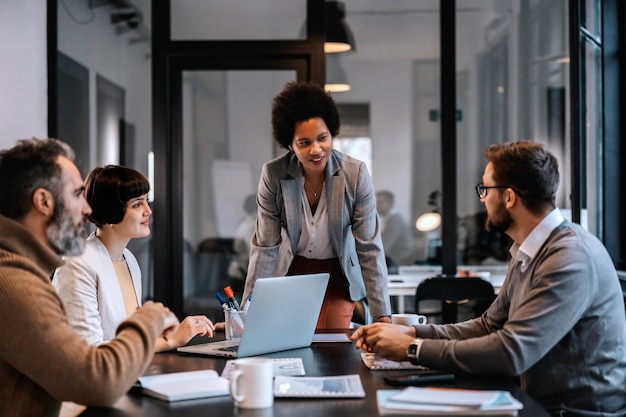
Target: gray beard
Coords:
[(65, 237)]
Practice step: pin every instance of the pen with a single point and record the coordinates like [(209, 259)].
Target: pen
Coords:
[(246, 303), (230, 296), (222, 302)]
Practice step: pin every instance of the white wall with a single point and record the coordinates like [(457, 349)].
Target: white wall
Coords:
[(23, 72), (387, 87)]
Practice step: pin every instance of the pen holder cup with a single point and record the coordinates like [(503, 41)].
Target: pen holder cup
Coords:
[(234, 323)]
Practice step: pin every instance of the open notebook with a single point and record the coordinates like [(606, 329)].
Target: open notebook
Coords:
[(282, 315)]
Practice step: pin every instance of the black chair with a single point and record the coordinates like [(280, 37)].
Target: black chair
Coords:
[(454, 291), (212, 258)]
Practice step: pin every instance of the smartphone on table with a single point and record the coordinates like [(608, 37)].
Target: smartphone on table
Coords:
[(418, 378)]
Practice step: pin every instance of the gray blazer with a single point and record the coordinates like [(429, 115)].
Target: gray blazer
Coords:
[(354, 226)]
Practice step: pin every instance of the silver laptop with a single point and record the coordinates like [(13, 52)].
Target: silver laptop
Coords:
[(282, 315)]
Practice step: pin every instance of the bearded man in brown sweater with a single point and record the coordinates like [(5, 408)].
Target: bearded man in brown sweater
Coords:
[(42, 360)]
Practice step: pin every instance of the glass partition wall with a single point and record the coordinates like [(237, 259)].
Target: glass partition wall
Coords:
[(227, 136), (512, 84), (101, 87), (211, 100)]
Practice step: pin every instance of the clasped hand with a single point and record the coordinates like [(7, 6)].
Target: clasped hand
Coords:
[(389, 341)]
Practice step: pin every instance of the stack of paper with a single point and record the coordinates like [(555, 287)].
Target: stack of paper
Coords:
[(449, 401)]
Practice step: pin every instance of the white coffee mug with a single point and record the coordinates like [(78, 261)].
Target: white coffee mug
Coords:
[(251, 383), (408, 319)]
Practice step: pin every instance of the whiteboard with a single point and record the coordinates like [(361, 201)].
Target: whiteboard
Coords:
[(232, 183)]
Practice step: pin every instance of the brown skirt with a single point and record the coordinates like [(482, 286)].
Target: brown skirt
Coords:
[(337, 308)]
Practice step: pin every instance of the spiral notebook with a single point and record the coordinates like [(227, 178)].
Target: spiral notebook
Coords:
[(343, 386)]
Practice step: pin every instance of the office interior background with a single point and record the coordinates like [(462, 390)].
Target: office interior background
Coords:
[(182, 91)]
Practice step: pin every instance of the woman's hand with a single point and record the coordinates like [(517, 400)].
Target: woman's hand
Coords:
[(188, 328)]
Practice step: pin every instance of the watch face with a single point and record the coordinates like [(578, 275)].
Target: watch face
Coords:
[(411, 351)]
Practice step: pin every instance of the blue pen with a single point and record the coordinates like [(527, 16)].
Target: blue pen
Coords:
[(222, 302)]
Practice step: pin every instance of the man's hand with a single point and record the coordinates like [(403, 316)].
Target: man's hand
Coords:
[(170, 321), (389, 341)]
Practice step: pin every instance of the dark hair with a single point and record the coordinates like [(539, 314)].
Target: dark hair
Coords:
[(108, 190), (298, 102), (29, 165), (529, 168)]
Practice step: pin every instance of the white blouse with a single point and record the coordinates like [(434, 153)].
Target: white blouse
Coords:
[(314, 240)]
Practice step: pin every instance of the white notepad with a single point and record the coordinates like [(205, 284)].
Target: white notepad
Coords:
[(447, 401), (180, 386), (331, 338)]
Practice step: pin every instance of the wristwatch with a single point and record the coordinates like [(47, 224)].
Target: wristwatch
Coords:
[(413, 351)]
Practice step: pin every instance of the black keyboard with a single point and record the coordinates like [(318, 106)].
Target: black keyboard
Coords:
[(229, 348)]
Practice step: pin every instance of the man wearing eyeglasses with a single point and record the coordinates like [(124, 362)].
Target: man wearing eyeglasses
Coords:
[(558, 321)]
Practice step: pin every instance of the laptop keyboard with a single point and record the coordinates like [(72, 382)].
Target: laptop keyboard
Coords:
[(229, 348)]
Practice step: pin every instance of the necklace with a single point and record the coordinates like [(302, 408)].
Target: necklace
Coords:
[(312, 190)]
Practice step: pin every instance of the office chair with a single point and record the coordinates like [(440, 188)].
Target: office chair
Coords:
[(454, 291), (212, 257)]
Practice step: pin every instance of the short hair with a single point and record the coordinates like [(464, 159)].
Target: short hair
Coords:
[(529, 168), (108, 190), (29, 165), (299, 101)]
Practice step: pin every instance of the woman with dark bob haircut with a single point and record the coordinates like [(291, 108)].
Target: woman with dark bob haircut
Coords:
[(317, 211), (102, 287)]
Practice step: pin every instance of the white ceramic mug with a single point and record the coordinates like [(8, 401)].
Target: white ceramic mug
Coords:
[(251, 383), (408, 319)]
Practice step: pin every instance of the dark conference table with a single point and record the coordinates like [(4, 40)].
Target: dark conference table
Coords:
[(320, 359)]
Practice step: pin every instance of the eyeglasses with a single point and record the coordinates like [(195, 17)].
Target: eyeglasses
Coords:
[(481, 189)]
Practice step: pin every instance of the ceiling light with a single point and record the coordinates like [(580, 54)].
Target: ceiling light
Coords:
[(338, 36), (336, 79)]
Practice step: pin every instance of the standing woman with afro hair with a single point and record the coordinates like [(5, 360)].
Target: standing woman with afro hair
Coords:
[(102, 287), (317, 211)]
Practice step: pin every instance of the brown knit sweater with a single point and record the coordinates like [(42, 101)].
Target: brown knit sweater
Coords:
[(42, 361)]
